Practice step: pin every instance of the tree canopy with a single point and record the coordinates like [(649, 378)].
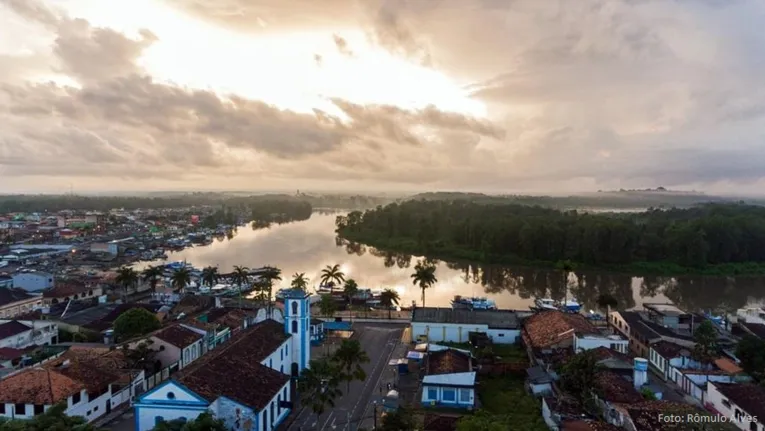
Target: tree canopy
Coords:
[(203, 422), (692, 238), (751, 351), (134, 322), (705, 337)]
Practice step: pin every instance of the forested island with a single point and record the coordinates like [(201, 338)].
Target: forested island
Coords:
[(719, 239)]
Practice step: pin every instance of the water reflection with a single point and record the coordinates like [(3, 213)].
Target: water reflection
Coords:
[(310, 245)]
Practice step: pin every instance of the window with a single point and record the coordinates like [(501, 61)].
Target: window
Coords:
[(158, 420), (186, 356), (726, 403), (39, 409), (449, 395), (20, 409), (270, 363), (752, 426), (294, 327), (281, 354), (465, 395), (2, 408), (265, 419), (170, 395), (76, 398), (95, 409), (432, 393), (88, 413), (294, 308), (272, 411), (286, 349)]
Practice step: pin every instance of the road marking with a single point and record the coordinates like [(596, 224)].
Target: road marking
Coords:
[(327, 420), (379, 378), (379, 361)]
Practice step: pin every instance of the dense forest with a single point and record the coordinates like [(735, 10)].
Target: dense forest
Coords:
[(724, 238), (55, 203), (260, 211), (608, 200)]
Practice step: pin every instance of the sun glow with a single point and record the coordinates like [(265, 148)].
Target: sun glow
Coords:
[(297, 71)]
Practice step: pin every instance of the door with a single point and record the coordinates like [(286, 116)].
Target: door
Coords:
[(108, 406)]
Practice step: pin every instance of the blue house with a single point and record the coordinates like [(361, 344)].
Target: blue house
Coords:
[(245, 381), (317, 331), (449, 380)]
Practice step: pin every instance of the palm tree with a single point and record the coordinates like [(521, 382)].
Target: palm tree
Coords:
[(270, 274), (349, 358), (240, 277), (127, 277), (299, 281), (389, 298), (350, 289), (566, 267), (152, 275), (424, 276), (180, 279), (318, 385), (332, 275), (210, 276), (606, 300)]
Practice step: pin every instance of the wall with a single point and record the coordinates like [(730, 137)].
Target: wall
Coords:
[(504, 336), (19, 307), (155, 403), (47, 335), (728, 409), (169, 355), (32, 281), (281, 360), (145, 416), (90, 410), (239, 417), (460, 401), (190, 353), (589, 343), (448, 332)]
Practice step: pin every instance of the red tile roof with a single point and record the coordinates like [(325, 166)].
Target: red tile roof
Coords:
[(39, 386), (645, 416), (548, 328), (616, 389), (447, 362), (14, 327), (233, 370), (63, 290), (668, 350), (94, 378), (178, 336)]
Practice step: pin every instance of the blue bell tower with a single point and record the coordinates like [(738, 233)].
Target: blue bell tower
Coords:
[(297, 321)]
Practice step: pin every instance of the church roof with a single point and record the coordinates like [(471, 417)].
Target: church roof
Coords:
[(234, 370)]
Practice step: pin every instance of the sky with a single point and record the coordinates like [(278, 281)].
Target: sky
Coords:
[(521, 96)]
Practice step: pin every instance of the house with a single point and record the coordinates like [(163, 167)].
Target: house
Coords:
[(432, 325), (16, 301), (317, 331), (245, 382), (642, 332), (551, 330), (19, 334), (178, 344), (449, 380), (694, 380), (663, 355), (742, 404), (539, 381), (669, 316), (85, 389), (63, 292), (33, 281)]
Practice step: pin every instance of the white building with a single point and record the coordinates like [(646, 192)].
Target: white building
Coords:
[(90, 383), (449, 380), (245, 381), (593, 341), (179, 344), (33, 281), (19, 334), (433, 325), (742, 404)]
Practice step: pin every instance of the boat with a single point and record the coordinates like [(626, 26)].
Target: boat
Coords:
[(474, 303), (543, 304), (571, 306), (324, 288)]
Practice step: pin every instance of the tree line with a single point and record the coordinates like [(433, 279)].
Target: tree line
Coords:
[(678, 239)]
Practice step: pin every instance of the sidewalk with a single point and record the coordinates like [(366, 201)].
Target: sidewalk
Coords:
[(116, 413)]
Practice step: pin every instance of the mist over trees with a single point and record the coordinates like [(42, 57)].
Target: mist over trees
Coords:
[(694, 238)]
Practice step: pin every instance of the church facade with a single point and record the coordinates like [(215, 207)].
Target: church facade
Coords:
[(246, 382)]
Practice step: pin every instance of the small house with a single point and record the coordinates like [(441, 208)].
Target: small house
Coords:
[(449, 380)]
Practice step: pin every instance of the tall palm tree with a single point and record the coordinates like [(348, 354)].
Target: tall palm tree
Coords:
[(424, 276), (240, 277), (331, 276), (210, 276), (349, 358), (318, 385), (350, 289), (180, 279), (152, 275), (127, 277), (299, 281), (566, 267), (388, 299), (270, 275)]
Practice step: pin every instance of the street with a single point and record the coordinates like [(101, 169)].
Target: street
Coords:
[(379, 342)]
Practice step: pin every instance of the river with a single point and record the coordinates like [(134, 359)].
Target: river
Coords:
[(308, 246)]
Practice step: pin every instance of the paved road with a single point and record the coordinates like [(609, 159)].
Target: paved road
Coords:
[(379, 343)]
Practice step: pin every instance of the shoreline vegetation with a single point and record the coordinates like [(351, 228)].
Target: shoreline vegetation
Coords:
[(720, 239)]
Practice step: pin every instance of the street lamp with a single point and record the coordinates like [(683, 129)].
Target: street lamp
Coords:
[(374, 414)]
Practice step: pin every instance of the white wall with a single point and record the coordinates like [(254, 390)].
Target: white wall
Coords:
[(590, 342), (46, 333), (504, 336), (448, 332), (89, 409), (167, 353), (426, 399), (191, 353), (728, 409), (32, 281), (281, 359)]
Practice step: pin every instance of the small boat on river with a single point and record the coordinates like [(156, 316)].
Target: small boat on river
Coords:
[(475, 303)]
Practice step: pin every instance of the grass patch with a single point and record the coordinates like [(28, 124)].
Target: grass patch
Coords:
[(506, 399)]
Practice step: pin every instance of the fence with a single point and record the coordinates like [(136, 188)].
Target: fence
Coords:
[(161, 376)]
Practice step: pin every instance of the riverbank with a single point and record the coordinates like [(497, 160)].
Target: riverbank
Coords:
[(668, 269)]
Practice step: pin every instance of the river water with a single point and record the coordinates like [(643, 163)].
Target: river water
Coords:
[(310, 245)]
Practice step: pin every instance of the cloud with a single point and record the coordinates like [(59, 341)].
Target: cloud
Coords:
[(580, 95)]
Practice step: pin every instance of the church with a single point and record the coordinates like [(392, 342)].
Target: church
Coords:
[(246, 382)]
